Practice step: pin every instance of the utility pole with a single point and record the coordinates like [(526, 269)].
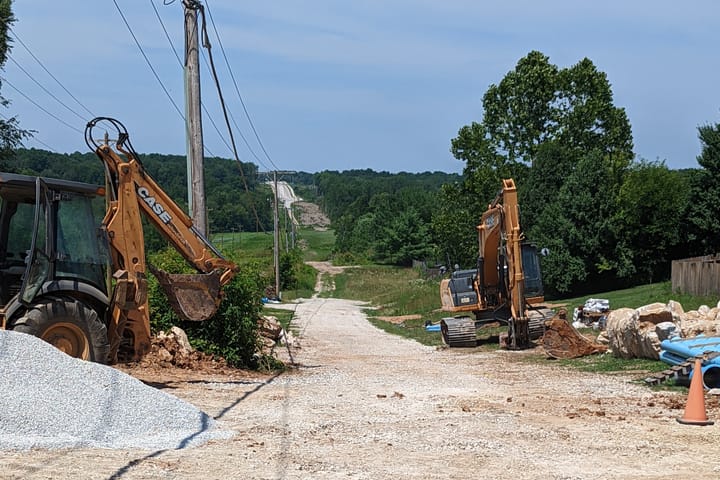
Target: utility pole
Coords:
[(193, 119), (276, 241), (276, 230)]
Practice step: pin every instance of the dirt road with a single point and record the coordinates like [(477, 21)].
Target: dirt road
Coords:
[(362, 404)]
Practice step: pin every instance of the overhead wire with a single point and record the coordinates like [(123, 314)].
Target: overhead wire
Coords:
[(210, 117), (5, 80), (207, 45), (15, 35), (239, 130), (180, 62), (237, 90), (194, 5), (177, 56), (46, 90), (142, 51)]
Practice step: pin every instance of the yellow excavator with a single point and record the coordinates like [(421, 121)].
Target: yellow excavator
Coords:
[(506, 286), (81, 284)]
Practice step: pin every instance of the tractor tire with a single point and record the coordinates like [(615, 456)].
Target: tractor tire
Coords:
[(69, 325)]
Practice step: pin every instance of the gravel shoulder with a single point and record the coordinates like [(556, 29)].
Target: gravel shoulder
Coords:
[(363, 404)]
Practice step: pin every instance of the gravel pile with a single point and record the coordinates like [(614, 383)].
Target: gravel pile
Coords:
[(51, 400)]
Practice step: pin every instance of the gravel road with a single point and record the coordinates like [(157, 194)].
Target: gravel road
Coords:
[(363, 404)]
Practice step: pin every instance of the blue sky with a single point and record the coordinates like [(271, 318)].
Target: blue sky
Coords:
[(334, 85)]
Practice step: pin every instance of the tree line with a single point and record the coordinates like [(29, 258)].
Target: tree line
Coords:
[(236, 199)]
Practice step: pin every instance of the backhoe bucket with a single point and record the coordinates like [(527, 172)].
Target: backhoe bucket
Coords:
[(193, 297)]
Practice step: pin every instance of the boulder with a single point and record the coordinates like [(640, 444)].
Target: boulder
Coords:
[(665, 330), (655, 313), (629, 337)]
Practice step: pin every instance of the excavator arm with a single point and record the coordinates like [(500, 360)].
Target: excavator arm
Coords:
[(511, 239), (133, 193)]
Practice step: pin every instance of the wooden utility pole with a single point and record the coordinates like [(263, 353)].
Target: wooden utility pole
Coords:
[(193, 119), (276, 231), (276, 239)]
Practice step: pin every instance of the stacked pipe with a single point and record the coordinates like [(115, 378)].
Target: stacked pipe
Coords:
[(680, 350)]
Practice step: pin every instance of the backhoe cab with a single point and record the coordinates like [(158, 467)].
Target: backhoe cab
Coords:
[(79, 282)]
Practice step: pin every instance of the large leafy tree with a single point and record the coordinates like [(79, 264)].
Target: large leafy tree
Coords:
[(558, 134), (11, 135)]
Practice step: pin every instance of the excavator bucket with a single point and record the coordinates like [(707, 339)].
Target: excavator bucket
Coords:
[(193, 297)]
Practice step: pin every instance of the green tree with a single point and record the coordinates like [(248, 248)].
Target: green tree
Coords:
[(704, 205), (649, 215), (405, 239), (11, 135), (558, 134), (453, 226)]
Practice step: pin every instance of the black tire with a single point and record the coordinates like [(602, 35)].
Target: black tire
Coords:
[(69, 325)]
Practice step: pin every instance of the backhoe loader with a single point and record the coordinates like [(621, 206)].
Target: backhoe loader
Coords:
[(80, 283), (506, 285)]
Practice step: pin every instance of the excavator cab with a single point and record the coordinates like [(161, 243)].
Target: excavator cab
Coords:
[(533, 276)]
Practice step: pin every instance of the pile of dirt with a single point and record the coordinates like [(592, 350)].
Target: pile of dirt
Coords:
[(397, 320), (562, 340)]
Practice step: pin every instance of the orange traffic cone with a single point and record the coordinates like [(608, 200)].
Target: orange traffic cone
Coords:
[(695, 406)]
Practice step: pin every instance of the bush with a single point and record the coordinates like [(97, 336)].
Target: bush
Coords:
[(290, 262), (232, 332)]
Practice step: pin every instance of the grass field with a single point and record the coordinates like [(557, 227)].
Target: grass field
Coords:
[(644, 295), (316, 245)]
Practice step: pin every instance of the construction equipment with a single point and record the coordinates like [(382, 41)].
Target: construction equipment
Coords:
[(505, 287), (80, 283)]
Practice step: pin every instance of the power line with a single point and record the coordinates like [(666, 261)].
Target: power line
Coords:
[(157, 77), (92, 115), (46, 90), (237, 90), (245, 140), (180, 62), (39, 106), (206, 44)]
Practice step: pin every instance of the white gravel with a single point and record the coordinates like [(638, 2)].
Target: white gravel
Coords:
[(51, 400)]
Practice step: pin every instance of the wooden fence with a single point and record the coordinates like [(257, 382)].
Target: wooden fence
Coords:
[(696, 276)]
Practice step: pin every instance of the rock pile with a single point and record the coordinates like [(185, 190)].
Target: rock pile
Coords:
[(637, 333)]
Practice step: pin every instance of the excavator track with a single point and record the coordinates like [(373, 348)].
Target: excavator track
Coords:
[(458, 331), (680, 370), (462, 331)]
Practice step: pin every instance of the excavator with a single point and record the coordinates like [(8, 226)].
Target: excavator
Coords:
[(80, 283), (506, 285)]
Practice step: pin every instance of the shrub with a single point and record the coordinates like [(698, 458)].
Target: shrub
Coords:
[(232, 332)]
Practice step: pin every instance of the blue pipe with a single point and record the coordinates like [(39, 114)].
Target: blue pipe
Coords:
[(710, 375), (671, 358), (691, 347)]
